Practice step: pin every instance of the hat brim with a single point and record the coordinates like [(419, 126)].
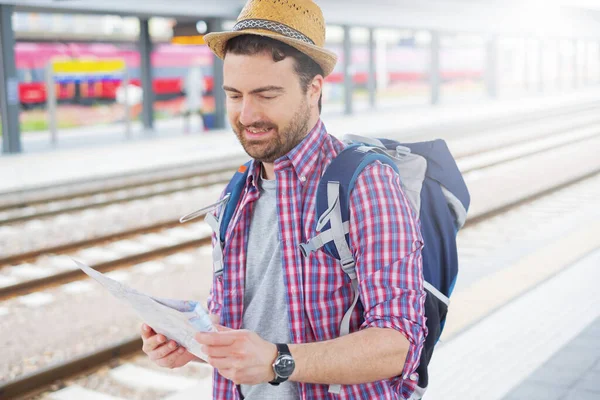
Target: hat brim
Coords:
[(325, 58)]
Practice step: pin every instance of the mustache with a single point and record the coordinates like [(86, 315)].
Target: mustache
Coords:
[(257, 125)]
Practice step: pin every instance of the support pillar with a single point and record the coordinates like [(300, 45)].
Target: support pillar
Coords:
[(585, 75), (575, 62), (372, 82), (9, 84), (540, 64), (491, 68), (434, 68), (348, 84), (145, 47), (559, 64), (526, 66), (216, 25)]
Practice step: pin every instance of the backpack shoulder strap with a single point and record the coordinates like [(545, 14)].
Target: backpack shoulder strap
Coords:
[(333, 201), (234, 190), (233, 193), (333, 209)]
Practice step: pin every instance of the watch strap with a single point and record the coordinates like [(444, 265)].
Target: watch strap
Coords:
[(282, 349)]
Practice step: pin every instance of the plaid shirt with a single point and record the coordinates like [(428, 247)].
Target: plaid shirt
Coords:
[(386, 242)]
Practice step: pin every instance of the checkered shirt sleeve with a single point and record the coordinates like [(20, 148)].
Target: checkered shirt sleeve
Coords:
[(387, 243)]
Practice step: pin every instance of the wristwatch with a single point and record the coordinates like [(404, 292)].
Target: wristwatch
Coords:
[(284, 364)]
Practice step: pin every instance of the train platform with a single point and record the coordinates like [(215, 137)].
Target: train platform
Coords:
[(523, 316), (543, 344), (573, 372), (524, 321), (100, 152)]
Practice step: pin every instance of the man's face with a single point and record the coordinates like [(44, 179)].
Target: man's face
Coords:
[(267, 108)]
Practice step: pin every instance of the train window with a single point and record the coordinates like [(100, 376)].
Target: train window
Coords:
[(29, 75)]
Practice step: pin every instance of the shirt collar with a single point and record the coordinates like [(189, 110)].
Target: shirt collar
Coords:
[(301, 158)]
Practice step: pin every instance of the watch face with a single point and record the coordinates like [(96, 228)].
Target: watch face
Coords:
[(284, 366)]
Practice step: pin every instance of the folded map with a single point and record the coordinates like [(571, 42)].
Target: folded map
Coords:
[(178, 320)]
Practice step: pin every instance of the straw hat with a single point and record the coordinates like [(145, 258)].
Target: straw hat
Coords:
[(298, 23)]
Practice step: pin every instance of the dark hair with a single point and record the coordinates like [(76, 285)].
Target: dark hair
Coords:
[(306, 68)]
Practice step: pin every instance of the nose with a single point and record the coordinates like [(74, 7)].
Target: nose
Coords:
[(249, 114)]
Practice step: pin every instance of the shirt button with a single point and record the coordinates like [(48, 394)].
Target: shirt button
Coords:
[(303, 178), (413, 377)]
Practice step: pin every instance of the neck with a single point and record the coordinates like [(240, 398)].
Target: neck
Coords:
[(268, 171)]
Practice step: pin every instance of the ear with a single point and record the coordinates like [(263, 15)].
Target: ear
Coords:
[(315, 89)]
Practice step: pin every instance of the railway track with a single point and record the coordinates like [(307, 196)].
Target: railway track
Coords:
[(100, 185), (34, 285), (29, 205), (198, 234), (34, 381), (470, 157), (471, 154), (65, 204)]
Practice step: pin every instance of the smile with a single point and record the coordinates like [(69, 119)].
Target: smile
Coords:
[(256, 133)]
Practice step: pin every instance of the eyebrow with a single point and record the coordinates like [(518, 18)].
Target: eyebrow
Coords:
[(270, 88)]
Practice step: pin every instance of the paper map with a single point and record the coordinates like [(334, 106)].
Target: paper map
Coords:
[(178, 320)]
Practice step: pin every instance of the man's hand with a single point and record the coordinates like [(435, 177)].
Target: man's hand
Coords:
[(165, 353), (240, 355)]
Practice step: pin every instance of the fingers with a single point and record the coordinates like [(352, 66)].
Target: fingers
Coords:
[(147, 331), (222, 328), (153, 342), (173, 359), (220, 363), (217, 351), (226, 338), (163, 351)]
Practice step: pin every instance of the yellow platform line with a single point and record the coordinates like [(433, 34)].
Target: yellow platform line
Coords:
[(474, 303)]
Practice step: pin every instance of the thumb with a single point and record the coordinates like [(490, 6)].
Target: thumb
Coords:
[(221, 328)]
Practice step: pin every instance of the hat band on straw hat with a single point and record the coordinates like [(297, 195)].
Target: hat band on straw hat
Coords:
[(273, 27)]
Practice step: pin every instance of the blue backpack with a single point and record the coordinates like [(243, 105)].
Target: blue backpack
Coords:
[(438, 197)]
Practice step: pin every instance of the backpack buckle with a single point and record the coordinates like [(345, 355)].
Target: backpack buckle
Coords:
[(402, 151), (348, 267), (348, 262), (307, 248)]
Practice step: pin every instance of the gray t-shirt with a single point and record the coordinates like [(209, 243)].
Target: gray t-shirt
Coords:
[(265, 306)]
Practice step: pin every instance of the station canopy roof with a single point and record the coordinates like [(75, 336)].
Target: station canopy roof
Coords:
[(538, 18)]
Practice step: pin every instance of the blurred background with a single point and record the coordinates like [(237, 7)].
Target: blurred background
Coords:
[(113, 126)]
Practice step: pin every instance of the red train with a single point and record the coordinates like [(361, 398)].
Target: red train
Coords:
[(171, 62)]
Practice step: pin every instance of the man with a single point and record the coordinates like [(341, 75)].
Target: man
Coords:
[(280, 312)]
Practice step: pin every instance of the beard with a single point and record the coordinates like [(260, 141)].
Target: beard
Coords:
[(281, 141)]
